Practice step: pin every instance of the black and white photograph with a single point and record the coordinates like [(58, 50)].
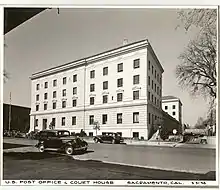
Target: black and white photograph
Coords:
[(110, 96)]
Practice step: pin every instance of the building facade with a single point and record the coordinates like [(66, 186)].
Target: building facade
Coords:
[(173, 106), (120, 89), (19, 117)]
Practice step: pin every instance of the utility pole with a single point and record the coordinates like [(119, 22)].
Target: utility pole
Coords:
[(9, 121)]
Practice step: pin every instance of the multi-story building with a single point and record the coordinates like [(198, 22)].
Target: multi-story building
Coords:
[(120, 88), (173, 106)]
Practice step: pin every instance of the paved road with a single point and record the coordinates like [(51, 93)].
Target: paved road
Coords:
[(193, 160), (166, 158)]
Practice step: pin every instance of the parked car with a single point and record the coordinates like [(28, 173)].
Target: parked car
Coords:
[(195, 138), (60, 140), (113, 138)]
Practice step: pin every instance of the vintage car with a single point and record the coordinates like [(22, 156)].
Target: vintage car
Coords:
[(60, 140), (113, 138)]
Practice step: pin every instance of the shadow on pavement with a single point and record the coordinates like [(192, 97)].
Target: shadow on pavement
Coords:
[(9, 145), (38, 155)]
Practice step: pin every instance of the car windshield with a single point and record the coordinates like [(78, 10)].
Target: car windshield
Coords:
[(63, 133)]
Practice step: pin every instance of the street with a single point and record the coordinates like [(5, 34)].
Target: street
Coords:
[(107, 161)]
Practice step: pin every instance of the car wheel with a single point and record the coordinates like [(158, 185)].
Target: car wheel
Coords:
[(69, 150), (41, 148)]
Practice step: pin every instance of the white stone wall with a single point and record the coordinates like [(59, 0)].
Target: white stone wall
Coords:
[(170, 109)]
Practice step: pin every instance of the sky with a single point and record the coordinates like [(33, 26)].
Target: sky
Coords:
[(51, 39)]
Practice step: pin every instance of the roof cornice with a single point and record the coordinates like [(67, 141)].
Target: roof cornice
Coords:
[(101, 56)]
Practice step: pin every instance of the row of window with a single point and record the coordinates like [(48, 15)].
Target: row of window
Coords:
[(91, 120), (173, 113), (154, 99), (136, 64), (154, 86), (173, 106), (154, 72), (92, 100)]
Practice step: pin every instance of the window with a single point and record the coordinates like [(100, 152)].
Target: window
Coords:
[(120, 67), (152, 98), (136, 79), (74, 120), (63, 103), (92, 87), (46, 85), (37, 97), (155, 100), (135, 134), (136, 63), (152, 84), (160, 80), (148, 95), (149, 80), (63, 121), (92, 100), (174, 106), (74, 90), (105, 71), (54, 83), (119, 118), (149, 118), (90, 134), (37, 107), (152, 119), (45, 106), (91, 119), (148, 65), (120, 82), (54, 105), (74, 103), (136, 95), (36, 122), (37, 86), (158, 90), (119, 97), (155, 73), (105, 85), (166, 107), (54, 94), (75, 78), (45, 96), (157, 77), (174, 113), (64, 92), (136, 117), (152, 69), (92, 74), (64, 80), (155, 87), (105, 99), (104, 118)]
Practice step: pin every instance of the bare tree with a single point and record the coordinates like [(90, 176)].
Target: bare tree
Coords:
[(197, 71), (96, 126)]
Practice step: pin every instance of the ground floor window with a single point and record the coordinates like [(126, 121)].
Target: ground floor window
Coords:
[(44, 123), (135, 134), (136, 117), (74, 120), (119, 118), (63, 121), (36, 122), (104, 119), (91, 119), (91, 134)]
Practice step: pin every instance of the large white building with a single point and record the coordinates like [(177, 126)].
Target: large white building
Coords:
[(173, 106), (120, 88)]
